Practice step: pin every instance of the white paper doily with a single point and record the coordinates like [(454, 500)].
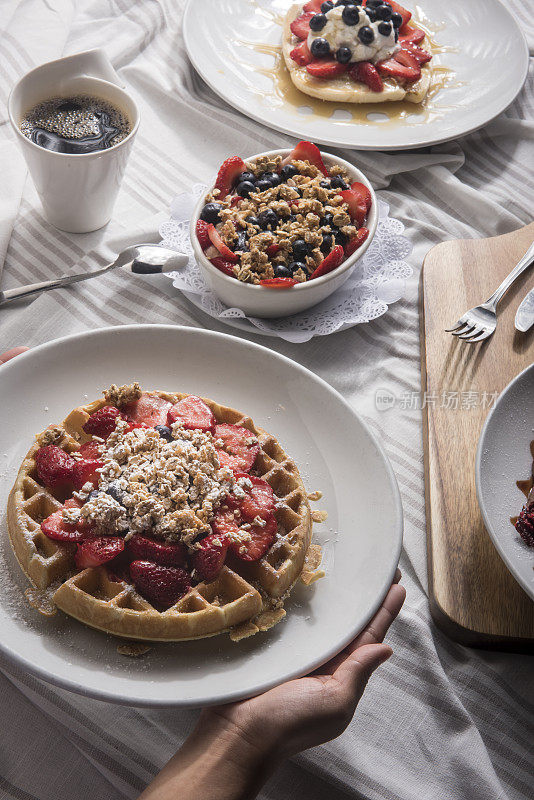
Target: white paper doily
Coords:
[(377, 281)]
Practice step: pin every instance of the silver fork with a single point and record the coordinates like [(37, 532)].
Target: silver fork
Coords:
[(480, 322)]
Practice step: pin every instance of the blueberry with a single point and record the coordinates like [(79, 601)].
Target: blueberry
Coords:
[(292, 218), (165, 432), (242, 243), (343, 54), (245, 188), (366, 35), (300, 249), (268, 219), (340, 238), (344, 2), (326, 184), (325, 8), (93, 494), (272, 177), (396, 35), (252, 220), (281, 271), (320, 48), (338, 182), (326, 244), (317, 22), (115, 492), (351, 15), (383, 12), (210, 213), (384, 28), (373, 3), (296, 265), (396, 19), (262, 185), (371, 14), (247, 176), (328, 219), (289, 171)]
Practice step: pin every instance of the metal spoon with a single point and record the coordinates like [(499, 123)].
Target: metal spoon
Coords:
[(142, 259)]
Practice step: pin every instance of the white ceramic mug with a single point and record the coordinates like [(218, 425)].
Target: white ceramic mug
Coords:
[(77, 191)]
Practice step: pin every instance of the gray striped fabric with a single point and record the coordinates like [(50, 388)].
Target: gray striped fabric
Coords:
[(438, 721)]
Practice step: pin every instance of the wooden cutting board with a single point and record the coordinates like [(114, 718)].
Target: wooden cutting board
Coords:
[(473, 597)]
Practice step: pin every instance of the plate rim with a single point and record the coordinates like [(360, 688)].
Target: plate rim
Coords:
[(125, 698), (291, 130), (488, 524)]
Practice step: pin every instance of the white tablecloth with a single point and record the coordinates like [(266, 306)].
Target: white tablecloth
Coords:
[(439, 721)]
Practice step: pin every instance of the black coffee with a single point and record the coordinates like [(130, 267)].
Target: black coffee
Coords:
[(77, 125)]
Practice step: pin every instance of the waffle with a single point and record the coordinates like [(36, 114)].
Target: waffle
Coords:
[(245, 597), (344, 89)]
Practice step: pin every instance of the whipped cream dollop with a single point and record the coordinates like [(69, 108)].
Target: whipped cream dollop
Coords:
[(338, 34)]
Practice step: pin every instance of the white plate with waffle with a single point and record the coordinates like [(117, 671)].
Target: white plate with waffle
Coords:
[(480, 62), (360, 539)]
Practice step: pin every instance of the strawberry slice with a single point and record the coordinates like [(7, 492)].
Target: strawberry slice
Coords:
[(258, 500), (240, 443), (363, 192), (102, 423), (90, 450), (365, 72), (97, 550), (412, 36), (162, 586), (86, 472), (224, 523), (148, 409), (262, 539), (57, 529), (314, 6), (217, 242), (357, 205), (332, 260), (406, 15), (209, 560), (326, 69), (193, 413), (54, 467), (300, 26), (228, 174), (226, 460), (278, 283), (302, 54), (223, 265), (202, 234), (306, 151), (421, 56), (394, 69), (168, 555), (356, 241)]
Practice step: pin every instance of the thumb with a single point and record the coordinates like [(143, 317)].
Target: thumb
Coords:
[(353, 674)]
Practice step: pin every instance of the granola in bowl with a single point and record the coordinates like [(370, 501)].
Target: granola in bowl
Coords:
[(278, 221)]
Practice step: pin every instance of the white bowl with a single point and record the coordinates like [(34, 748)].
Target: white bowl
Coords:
[(259, 301)]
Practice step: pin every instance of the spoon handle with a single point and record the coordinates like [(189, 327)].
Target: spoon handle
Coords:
[(44, 286)]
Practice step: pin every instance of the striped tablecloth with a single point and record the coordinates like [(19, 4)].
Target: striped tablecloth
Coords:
[(438, 721)]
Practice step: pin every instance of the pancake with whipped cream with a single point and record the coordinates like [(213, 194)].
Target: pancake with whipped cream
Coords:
[(352, 53)]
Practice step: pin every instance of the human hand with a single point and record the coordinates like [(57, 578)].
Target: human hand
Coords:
[(235, 747), (9, 354)]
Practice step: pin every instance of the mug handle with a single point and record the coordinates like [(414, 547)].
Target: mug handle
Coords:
[(93, 64)]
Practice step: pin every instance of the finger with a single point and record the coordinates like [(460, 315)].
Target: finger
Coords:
[(375, 630), (352, 675), (9, 354)]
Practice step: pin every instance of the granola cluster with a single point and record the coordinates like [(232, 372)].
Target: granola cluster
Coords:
[(149, 485), (288, 229)]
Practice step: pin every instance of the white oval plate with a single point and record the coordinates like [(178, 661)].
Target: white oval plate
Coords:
[(503, 457), (334, 449), (225, 38)]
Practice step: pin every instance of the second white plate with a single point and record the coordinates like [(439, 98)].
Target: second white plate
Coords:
[(334, 449), (233, 44)]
